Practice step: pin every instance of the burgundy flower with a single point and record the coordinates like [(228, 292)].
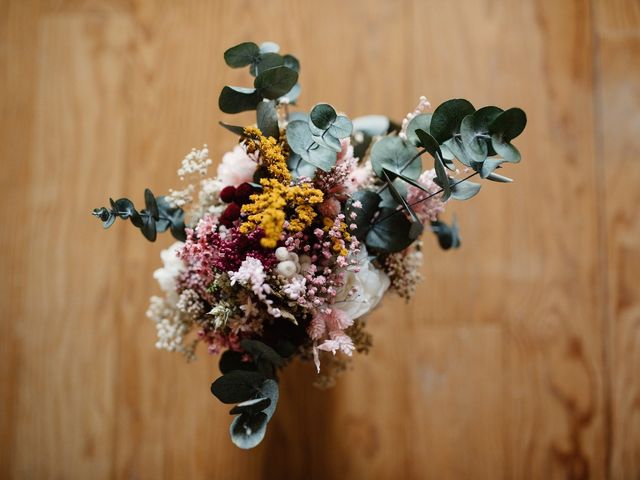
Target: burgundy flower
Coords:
[(228, 194), (243, 192)]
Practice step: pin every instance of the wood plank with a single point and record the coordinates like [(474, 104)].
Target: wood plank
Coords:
[(617, 73), (65, 371), (529, 257)]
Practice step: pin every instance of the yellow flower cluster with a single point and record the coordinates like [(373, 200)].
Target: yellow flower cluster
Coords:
[(267, 209), (272, 153), (338, 242)]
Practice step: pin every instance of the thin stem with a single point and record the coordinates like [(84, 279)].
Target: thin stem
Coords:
[(428, 196), (421, 152)]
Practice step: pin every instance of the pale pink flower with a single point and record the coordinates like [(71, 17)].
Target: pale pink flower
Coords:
[(427, 210), (237, 167)]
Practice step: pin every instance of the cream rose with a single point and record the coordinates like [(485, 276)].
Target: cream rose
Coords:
[(368, 285), (237, 167)]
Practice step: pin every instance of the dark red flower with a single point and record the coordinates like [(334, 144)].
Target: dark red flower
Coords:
[(228, 194), (243, 192), (232, 212)]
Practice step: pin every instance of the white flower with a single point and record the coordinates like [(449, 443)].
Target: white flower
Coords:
[(167, 276), (237, 167), (361, 290)]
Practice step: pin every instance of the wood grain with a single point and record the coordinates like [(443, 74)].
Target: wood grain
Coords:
[(520, 356)]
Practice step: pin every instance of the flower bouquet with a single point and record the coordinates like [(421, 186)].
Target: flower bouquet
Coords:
[(309, 221)]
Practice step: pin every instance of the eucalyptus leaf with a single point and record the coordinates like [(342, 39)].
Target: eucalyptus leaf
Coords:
[(292, 95), (269, 47), (495, 177), (443, 178), (247, 431), (370, 202), (299, 167), (448, 236), (341, 127), (416, 227), (419, 122), (231, 360), (150, 203), (270, 390), (238, 99), (148, 227), (327, 140), (489, 165), (251, 407), (427, 142), (506, 150), (390, 233), (291, 62), (322, 115), (267, 118), (241, 55), (508, 124), (237, 386), (321, 157), (232, 128), (396, 155), (447, 117), (275, 82), (265, 62), (372, 125), (261, 351), (473, 140), (464, 190)]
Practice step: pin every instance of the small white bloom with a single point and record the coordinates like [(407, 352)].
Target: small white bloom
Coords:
[(287, 268), (167, 276), (282, 254)]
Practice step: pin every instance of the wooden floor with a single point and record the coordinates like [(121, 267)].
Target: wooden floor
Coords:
[(519, 359)]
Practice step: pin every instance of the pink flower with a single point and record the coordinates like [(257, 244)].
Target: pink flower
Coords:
[(330, 207), (237, 167), (427, 210)]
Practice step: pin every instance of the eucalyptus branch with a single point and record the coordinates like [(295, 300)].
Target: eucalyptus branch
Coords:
[(427, 197)]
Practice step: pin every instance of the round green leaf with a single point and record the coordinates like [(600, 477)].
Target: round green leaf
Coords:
[(299, 137), (509, 124), (475, 145), (269, 47), (241, 55), (321, 157), (237, 386), (507, 151), (322, 115), (299, 167), (292, 95), (390, 233), (447, 117), (267, 117), (341, 127), (247, 431), (464, 190), (275, 82), (251, 407), (372, 125), (396, 155), (238, 99), (419, 122), (231, 360), (265, 62), (292, 62)]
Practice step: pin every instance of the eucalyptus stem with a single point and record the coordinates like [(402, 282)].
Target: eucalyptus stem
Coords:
[(428, 196), (421, 152)]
